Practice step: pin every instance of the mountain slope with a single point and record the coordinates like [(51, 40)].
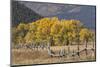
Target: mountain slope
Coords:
[(86, 14), (21, 13)]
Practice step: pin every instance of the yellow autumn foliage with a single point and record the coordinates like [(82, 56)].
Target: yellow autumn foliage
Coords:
[(48, 29)]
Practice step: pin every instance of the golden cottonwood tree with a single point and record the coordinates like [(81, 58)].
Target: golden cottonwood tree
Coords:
[(52, 31)]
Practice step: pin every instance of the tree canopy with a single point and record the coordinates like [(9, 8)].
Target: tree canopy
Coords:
[(52, 30)]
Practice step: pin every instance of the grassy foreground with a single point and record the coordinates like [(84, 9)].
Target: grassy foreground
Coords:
[(24, 56)]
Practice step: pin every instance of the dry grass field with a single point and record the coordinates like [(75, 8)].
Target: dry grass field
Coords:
[(24, 56)]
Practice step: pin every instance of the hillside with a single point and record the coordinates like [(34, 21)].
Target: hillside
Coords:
[(21, 13), (86, 14)]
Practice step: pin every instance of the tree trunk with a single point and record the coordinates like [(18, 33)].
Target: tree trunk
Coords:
[(78, 47), (86, 48), (93, 45), (68, 48)]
